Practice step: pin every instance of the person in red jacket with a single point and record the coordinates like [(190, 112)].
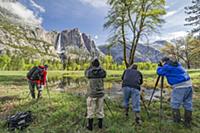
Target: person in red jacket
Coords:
[(37, 78)]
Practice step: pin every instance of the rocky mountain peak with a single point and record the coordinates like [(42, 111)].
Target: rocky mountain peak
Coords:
[(144, 53), (72, 41)]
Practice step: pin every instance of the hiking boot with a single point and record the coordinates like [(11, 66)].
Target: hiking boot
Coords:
[(90, 124), (126, 111), (39, 94), (100, 123), (187, 118), (138, 120), (33, 94), (176, 115)]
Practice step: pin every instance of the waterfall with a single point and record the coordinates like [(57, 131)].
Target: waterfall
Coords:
[(59, 44), (61, 50)]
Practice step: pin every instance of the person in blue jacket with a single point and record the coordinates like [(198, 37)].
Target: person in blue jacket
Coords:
[(182, 91)]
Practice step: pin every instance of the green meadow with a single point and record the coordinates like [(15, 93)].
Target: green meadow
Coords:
[(65, 112)]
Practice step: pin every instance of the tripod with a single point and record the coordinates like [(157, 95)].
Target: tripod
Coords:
[(161, 97), (48, 92), (161, 92), (108, 107), (145, 107), (161, 101), (157, 81)]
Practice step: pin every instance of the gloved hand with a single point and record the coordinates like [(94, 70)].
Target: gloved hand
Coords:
[(42, 87)]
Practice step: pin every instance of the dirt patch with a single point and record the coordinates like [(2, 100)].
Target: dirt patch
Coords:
[(7, 105), (5, 110)]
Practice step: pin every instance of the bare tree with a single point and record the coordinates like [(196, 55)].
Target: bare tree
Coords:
[(185, 49), (131, 20)]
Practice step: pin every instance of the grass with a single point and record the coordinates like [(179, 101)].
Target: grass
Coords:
[(65, 112)]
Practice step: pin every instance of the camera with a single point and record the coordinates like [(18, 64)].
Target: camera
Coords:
[(160, 64)]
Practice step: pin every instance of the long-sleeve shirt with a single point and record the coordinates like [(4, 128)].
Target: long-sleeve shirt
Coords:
[(175, 74), (95, 76), (132, 78)]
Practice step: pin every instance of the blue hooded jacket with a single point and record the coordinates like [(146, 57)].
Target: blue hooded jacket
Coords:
[(174, 72)]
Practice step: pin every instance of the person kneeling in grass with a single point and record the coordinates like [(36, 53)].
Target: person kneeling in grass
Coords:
[(95, 93), (182, 91)]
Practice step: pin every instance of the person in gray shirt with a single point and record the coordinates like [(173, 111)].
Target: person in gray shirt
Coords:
[(95, 93)]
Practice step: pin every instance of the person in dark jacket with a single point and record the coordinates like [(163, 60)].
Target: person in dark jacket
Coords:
[(182, 91), (131, 81), (95, 93)]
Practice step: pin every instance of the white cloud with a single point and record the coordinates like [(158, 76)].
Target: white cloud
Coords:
[(41, 9), (177, 34), (95, 3), (25, 15), (170, 36), (173, 13), (167, 6), (170, 13)]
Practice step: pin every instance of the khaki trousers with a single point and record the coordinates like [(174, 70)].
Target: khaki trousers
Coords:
[(95, 107)]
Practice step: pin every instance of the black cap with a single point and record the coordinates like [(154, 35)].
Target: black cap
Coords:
[(165, 59), (46, 66), (95, 62), (134, 66)]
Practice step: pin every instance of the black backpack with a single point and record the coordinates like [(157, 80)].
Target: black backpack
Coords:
[(35, 73), (19, 121)]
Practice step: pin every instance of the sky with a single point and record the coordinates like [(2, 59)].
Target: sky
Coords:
[(89, 17)]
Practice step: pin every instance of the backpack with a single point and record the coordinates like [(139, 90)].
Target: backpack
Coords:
[(19, 121), (35, 73)]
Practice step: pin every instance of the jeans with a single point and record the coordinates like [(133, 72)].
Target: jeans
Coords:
[(134, 94), (182, 96)]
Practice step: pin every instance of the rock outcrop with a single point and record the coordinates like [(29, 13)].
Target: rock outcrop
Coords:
[(144, 53), (75, 44), (31, 41)]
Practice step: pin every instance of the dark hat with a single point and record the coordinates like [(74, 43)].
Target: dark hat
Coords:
[(46, 66), (95, 62), (134, 66), (165, 59)]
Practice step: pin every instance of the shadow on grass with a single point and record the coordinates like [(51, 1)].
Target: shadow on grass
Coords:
[(9, 98), (12, 80)]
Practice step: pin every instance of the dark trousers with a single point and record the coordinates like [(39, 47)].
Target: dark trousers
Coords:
[(32, 86)]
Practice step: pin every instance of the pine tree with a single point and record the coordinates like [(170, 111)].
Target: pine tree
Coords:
[(193, 18)]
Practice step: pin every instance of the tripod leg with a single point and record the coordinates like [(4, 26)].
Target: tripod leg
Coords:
[(161, 96), (108, 107), (157, 81), (161, 101), (47, 90), (142, 99)]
